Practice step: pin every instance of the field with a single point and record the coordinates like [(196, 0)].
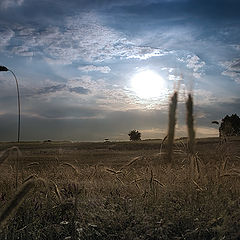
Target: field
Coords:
[(120, 190)]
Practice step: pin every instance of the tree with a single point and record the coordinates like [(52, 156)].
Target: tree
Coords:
[(230, 126), (134, 135)]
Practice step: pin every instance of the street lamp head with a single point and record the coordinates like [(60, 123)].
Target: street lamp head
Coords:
[(3, 69)]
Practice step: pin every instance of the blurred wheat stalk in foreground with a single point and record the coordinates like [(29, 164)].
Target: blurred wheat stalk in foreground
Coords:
[(171, 124), (190, 124), (16, 202)]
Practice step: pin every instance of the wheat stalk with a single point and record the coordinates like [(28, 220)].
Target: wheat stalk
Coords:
[(161, 146), (57, 191), (171, 124), (190, 124), (70, 165), (131, 162), (157, 181), (15, 203), (136, 180), (5, 154), (113, 171), (33, 176), (33, 164)]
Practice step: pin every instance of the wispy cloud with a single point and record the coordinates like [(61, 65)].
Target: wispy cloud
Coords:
[(232, 69), (93, 68), (5, 36), (79, 38), (22, 51), (10, 3), (236, 46)]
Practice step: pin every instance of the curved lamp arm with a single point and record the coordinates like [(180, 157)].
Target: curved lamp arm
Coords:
[(4, 69)]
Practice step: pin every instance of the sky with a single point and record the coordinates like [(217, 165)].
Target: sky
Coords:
[(90, 70)]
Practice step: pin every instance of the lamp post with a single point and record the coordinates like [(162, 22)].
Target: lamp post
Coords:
[(4, 69)]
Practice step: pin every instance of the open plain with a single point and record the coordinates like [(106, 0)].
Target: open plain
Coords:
[(120, 190)]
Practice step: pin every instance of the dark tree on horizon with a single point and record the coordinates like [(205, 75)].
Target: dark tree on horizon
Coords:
[(134, 135), (230, 126)]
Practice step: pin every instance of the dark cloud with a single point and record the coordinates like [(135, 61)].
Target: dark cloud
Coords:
[(236, 65), (79, 90), (86, 124), (217, 111), (47, 11), (52, 11), (69, 112), (85, 128), (204, 8), (61, 87), (51, 89)]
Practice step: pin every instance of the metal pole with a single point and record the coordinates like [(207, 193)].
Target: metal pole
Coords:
[(4, 69), (19, 110)]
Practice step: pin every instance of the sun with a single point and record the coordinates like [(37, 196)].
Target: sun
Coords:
[(148, 84)]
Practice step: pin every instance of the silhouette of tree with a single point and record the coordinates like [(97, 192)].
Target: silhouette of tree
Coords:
[(134, 135), (230, 126)]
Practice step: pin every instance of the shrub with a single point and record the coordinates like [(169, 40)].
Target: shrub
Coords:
[(134, 135)]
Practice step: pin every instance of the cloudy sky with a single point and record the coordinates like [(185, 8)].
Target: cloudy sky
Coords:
[(95, 69)]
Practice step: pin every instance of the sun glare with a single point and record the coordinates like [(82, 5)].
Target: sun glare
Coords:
[(148, 84)]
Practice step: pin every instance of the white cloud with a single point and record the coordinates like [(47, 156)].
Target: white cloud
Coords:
[(194, 63), (174, 77), (93, 68), (143, 52), (10, 3), (80, 38), (170, 70), (5, 37), (22, 51)]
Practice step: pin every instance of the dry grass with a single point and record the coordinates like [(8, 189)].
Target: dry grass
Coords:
[(15, 203), (151, 201)]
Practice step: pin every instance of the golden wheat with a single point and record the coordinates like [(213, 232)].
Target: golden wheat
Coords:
[(131, 162), (57, 191), (70, 165)]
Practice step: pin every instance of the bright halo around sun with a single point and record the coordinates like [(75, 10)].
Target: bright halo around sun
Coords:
[(148, 84)]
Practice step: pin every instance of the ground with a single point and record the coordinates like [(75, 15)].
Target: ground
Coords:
[(121, 190)]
